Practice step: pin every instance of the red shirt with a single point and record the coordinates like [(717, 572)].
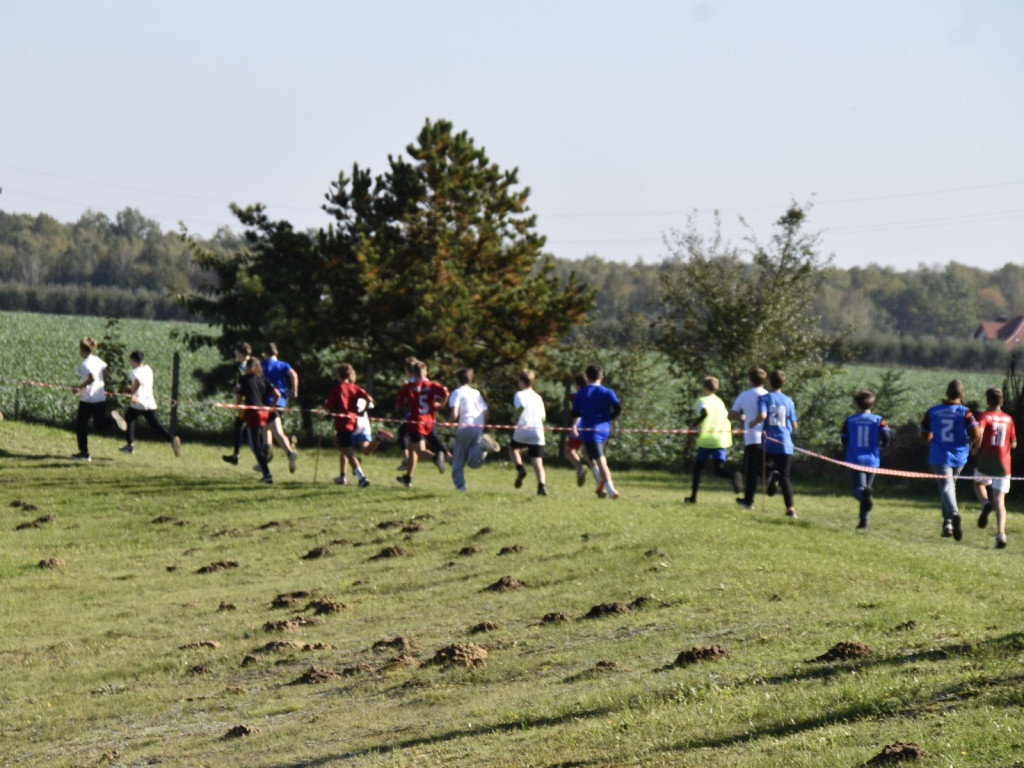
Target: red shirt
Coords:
[(997, 436), (341, 401), (422, 396)]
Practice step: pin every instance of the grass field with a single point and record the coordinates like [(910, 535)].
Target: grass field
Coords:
[(124, 654)]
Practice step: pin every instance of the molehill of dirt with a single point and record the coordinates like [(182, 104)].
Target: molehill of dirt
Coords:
[(692, 656), (398, 643), (197, 644), (905, 626), (654, 553), (220, 565), (52, 562), (291, 625), (315, 675), (843, 651), (484, 626), (326, 606), (513, 550), (199, 669), (290, 599), (277, 646), (412, 527), (461, 655), (471, 550), (898, 753), (389, 552), (606, 609), (505, 584), (485, 530), (224, 606), (241, 730), (317, 552), (386, 524), (230, 532), (555, 617), (402, 660)]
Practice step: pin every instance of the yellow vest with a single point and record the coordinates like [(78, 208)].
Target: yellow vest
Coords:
[(715, 430)]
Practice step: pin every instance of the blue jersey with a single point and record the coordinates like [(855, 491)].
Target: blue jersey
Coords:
[(276, 372), (778, 424), (861, 435), (948, 424), (593, 405)]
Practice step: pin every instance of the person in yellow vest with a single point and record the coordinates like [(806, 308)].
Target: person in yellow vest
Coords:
[(714, 437)]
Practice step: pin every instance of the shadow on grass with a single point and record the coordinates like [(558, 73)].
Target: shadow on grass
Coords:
[(524, 724)]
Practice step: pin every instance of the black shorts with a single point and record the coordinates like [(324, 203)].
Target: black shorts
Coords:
[(533, 451), (344, 438), (594, 450)]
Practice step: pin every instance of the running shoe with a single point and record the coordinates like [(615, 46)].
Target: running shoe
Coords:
[(127, 449), (293, 460), (363, 482), (985, 512), (491, 444), (119, 420), (520, 476), (958, 532)]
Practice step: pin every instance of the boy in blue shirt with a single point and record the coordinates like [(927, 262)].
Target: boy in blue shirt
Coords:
[(953, 433), (593, 408), (864, 434), (777, 412)]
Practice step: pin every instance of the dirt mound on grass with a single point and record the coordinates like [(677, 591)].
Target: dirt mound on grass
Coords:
[(654, 553), (199, 669), (484, 626), (197, 644), (315, 675), (220, 565), (39, 522), (224, 606), (485, 530), (412, 527), (471, 550), (389, 552), (606, 609), (843, 651), (515, 549), (644, 601), (357, 669), (386, 524), (52, 562), (290, 599), (326, 606), (241, 730), (230, 532), (905, 626), (398, 643), (694, 655), (164, 519), (461, 655), (28, 526), (317, 552), (505, 584), (555, 617), (291, 625), (898, 753), (402, 660)]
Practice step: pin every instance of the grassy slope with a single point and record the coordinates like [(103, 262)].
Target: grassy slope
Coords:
[(93, 667)]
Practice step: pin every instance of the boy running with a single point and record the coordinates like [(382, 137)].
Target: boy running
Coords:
[(777, 412), (286, 381), (713, 439), (242, 354), (863, 435), (144, 404), (343, 402), (469, 411), (952, 431), (529, 415), (745, 409), (992, 468), (255, 391), (422, 398), (574, 443), (595, 406)]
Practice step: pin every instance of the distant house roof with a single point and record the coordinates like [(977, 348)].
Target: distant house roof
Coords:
[(1010, 332)]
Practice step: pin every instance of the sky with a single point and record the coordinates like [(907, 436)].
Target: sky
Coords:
[(900, 121)]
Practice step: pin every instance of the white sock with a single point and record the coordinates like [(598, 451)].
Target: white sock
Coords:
[(610, 488), (359, 473), (597, 472)]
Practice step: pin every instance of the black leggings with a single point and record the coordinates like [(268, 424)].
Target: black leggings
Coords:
[(86, 411), (782, 462), (151, 418), (698, 469)]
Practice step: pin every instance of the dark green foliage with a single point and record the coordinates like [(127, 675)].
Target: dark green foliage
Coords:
[(437, 258)]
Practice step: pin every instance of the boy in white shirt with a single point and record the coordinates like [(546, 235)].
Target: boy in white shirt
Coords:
[(469, 411), (144, 404), (529, 418), (745, 409), (92, 398)]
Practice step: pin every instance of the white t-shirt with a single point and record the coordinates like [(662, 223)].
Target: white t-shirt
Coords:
[(746, 403), (363, 421), (530, 427), (93, 393), (144, 375), (470, 404)]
